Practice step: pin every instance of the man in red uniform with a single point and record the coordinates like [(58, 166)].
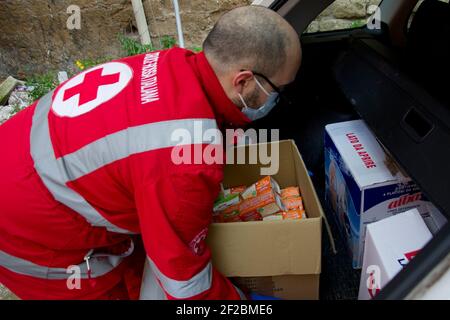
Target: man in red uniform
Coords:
[(89, 168)]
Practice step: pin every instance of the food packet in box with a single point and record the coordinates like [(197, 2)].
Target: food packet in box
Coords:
[(274, 217), (223, 202), (234, 190), (251, 216), (293, 203), (292, 200), (265, 203), (230, 214), (290, 192), (295, 214), (260, 187)]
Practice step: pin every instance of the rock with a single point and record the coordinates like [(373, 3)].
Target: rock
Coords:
[(344, 14), (17, 100), (6, 88), (330, 24), (5, 113), (350, 9), (62, 77), (371, 9), (20, 98), (313, 27)]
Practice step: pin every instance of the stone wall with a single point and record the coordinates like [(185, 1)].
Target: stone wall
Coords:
[(34, 37)]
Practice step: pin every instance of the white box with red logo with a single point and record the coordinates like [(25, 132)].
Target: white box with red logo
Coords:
[(364, 186), (390, 245)]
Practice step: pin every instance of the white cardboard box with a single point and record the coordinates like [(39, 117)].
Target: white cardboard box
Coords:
[(390, 245), (360, 187)]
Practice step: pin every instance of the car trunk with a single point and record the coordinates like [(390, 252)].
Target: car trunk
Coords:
[(340, 74), (318, 101)]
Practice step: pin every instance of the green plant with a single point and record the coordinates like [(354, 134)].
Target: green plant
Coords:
[(196, 49), (358, 23), (42, 84), (167, 42), (132, 47)]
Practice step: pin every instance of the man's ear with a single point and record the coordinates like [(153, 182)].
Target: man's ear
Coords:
[(242, 79)]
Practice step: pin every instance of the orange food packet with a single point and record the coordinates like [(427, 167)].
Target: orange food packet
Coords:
[(293, 203), (251, 216), (260, 187), (290, 192), (266, 203), (234, 190), (274, 217), (230, 214), (295, 214)]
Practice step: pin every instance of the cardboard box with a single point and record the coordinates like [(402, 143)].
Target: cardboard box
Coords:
[(279, 258), (390, 245), (361, 185)]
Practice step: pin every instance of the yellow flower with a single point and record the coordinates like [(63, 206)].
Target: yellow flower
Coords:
[(79, 64)]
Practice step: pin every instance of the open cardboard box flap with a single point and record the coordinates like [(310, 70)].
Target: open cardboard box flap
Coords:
[(270, 248)]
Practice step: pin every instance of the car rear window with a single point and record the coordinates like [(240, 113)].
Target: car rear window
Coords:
[(344, 14)]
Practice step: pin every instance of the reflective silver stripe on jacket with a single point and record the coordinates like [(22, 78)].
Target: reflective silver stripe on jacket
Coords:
[(150, 288), (198, 284), (55, 173), (99, 264), (122, 144)]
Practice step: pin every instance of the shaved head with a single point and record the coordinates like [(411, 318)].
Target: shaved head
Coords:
[(252, 37), (252, 40)]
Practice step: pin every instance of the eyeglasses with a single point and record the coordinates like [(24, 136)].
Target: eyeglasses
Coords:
[(280, 90)]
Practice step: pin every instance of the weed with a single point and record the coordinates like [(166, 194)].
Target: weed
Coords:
[(42, 84)]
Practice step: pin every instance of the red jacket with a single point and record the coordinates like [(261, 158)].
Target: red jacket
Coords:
[(92, 163)]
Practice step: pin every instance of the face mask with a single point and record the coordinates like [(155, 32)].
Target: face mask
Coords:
[(261, 112)]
